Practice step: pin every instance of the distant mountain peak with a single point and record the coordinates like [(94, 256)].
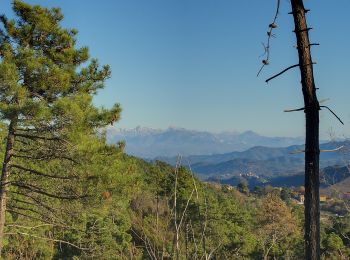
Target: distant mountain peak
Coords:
[(250, 133), (175, 128), (150, 143), (137, 129)]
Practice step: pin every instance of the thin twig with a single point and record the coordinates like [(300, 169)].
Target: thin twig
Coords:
[(193, 179), (34, 227), (194, 241), (184, 212), (204, 226), (146, 243), (175, 208), (212, 251), (49, 239)]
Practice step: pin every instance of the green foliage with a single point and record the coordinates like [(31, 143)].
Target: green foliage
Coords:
[(286, 194), (335, 237), (333, 242), (277, 229), (58, 163), (243, 187)]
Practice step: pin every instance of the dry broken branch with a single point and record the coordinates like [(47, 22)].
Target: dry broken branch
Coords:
[(48, 239), (270, 35)]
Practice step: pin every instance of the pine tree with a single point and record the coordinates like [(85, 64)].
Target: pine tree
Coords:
[(46, 107)]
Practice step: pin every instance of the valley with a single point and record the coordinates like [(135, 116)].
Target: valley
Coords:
[(275, 161)]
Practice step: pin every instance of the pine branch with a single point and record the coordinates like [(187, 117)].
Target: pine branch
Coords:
[(46, 157), (46, 221), (37, 201), (43, 192), (11, 206), (28, 216), (35, 137), (43, 174), (50, 210)]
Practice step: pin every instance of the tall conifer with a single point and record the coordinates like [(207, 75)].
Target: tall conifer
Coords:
[(46, 91)]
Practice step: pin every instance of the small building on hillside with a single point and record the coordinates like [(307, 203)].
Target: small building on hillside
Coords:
[(346, 196), (323, 198)]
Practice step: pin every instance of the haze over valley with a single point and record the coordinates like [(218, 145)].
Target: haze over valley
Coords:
[(233, 157)]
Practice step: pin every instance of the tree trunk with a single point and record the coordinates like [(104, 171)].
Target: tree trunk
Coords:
[(5, 179), (312, 151), (187, 240)]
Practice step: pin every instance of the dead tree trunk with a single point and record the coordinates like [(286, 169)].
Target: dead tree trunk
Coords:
[(312, 151), (5, 180)]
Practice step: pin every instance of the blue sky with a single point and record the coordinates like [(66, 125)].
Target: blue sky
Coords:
[(193, 63)]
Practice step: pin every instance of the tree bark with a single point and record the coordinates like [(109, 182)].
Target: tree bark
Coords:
[(5, 179), (312, 151)]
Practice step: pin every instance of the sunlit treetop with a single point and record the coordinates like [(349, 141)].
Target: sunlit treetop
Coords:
[(41, 68)]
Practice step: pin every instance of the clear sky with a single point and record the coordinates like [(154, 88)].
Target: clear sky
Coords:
[(193, 63)]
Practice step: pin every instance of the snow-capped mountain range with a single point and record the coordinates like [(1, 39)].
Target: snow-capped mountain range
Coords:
[(150, 143)]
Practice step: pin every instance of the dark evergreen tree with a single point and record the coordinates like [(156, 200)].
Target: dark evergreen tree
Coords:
[(46, 105)]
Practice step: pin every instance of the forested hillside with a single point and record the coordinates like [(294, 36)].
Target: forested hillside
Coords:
[(139, 210)]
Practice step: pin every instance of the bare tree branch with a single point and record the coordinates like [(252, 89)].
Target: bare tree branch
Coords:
[(330, 110), (294, 110), (48, 239), (333, 150), (283, 71)]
